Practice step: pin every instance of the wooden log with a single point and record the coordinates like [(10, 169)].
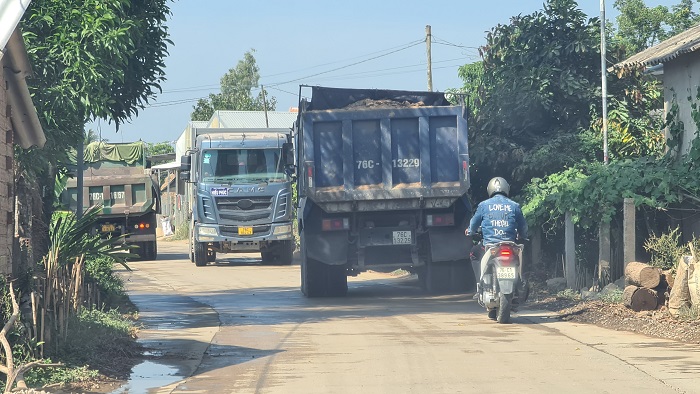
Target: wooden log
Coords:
[(642, 275), (639, 298)]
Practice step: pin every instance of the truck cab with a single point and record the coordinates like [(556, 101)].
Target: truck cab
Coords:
[(242, 191)]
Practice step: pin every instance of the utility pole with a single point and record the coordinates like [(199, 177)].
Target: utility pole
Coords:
[(604, 81), (267, 122), (428, 38)]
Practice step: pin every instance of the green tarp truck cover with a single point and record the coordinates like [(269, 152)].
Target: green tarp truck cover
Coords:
[(129, 153)]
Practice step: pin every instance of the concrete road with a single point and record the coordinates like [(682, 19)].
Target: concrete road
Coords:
[(236, 326)]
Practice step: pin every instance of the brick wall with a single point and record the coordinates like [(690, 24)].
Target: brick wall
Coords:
[(6, 182)]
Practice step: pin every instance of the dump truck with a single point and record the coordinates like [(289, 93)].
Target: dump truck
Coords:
[(382, 184), (117, 177), (240, 180)]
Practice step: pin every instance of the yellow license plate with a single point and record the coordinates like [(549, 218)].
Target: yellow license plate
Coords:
[(108, 228), (245, 231)]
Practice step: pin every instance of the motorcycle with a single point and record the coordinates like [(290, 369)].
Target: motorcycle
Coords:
[(502, 288)]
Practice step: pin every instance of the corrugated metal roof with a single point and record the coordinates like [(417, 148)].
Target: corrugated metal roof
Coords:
[(199, 123), (252, 119), (685, 42)]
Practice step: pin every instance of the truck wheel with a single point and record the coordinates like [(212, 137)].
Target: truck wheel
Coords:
[(503, 314), (200, 253), (286, 252), (435, 277), (336, 281), (461, 277), (191, 243), (151, 250)]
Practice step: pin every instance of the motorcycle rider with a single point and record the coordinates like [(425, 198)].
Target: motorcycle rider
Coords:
[(500, 219)]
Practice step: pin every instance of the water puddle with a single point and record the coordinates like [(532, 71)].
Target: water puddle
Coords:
[(149, 375)]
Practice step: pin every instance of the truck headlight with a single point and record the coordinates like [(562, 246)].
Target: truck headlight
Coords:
[(208, 231), (287, 228)]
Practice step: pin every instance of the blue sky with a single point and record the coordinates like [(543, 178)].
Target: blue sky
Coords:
[(369, 44)]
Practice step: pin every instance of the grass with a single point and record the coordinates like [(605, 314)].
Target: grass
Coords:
[(569, 294), (689, 313)]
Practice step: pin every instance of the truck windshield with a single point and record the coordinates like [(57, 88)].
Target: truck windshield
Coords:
[(242, 165)]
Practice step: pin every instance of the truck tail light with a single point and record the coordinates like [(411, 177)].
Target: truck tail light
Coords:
[(310, 176), (336, 224), (142, 226), (443, 219)]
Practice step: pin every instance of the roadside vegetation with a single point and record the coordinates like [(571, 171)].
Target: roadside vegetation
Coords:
[(68, 327)]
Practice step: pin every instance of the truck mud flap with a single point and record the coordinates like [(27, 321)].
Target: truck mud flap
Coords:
[(448, 244), (329, 248)]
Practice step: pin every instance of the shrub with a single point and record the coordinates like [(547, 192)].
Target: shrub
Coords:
[(666, 250), (612, 297)]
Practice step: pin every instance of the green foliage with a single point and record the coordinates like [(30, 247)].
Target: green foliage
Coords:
[(569, 294), (666, 249), (612, 297), (94, 340), (91, 59), (39, 377), (640, 27), (236, 92), (159, 148), (71, 237), (101, 269)]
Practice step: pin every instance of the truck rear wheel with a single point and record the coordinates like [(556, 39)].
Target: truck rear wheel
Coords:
[(151, 250), (279, 252), (200, 253)]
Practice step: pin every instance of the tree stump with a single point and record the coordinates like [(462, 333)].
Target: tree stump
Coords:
[(639, 298), (642, 275)]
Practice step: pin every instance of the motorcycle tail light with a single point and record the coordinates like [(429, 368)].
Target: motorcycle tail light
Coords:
[(506, 253)]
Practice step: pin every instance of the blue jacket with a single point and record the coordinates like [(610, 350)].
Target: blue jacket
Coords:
[(500, 218)]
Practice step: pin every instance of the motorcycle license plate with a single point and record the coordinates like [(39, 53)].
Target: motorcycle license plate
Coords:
[(505, 272), (245, 231), (402, 237)]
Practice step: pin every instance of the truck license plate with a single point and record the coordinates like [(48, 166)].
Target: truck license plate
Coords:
[(402, 237), (245, 231), (108, 228), (505, 272)]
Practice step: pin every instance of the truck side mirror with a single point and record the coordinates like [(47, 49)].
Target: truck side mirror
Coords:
[(288, 152), (185, 163), (185, 167)]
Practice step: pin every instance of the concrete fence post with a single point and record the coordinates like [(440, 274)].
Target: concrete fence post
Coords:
[(604, 253), (569, 251), (629, 232)]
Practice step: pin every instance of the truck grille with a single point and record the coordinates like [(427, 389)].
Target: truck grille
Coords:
[(244, 209)]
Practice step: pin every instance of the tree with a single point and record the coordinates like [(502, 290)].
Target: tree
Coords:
[(640, 27), (159, 148), (540, 78), (91, 59), (236, 92)]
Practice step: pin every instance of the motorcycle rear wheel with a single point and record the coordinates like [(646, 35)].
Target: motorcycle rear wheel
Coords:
[(504, 307)]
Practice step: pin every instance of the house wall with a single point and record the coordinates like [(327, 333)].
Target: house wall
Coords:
[(6, 182), (681, 80)]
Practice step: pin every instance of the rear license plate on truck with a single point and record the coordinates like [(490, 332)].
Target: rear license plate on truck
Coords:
[(245, 231), (402, 237), (108, 228)]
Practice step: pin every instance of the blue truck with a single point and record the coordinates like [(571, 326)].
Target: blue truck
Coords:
[(382, 184), (241, 191)]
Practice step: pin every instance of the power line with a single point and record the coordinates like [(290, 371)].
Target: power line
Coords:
[(346, 66)]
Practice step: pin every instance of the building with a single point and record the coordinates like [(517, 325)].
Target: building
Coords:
[(19, 124), (677, 62)]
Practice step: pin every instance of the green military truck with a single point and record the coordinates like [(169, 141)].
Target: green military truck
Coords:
[(116, 176)]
